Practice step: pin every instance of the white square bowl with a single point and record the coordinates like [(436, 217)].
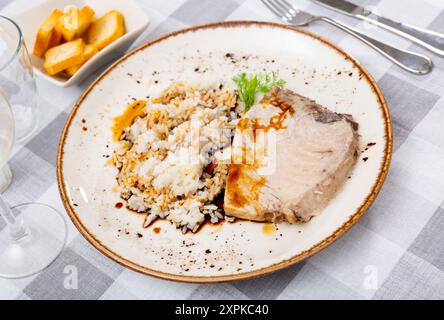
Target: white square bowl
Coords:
[(135, 23)]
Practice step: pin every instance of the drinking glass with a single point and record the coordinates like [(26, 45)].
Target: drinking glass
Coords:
[(6, 142), (17, 78), (35, 233)]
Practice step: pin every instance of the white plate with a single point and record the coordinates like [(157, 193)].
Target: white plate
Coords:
[(310, 65), (135, 23)]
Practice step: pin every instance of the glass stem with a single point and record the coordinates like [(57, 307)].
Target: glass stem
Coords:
[(15, 226)]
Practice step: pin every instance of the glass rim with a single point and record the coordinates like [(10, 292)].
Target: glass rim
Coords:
[(19, 44)]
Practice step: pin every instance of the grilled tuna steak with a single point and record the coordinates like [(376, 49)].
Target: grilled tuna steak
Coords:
[(313, 153)]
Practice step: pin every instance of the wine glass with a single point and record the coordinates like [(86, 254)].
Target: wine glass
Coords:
[(17, 78), (35, 233)]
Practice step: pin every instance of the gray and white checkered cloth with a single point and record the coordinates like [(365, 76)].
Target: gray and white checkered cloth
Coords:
[(395, 252)]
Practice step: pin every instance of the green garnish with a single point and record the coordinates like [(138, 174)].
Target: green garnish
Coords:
[(249, 86)]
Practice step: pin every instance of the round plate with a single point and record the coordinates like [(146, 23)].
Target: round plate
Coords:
[(206, 55)]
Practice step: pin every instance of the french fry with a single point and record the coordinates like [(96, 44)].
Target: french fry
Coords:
[(88, 53), (75, 22), (64, 56), (47, 36), (106, 29)]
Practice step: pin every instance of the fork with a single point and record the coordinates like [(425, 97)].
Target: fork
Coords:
[(407, 60)]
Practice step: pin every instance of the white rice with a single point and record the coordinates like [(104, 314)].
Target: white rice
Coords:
[(162, 156)]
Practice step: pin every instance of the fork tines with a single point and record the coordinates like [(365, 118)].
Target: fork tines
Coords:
[(282, 8)]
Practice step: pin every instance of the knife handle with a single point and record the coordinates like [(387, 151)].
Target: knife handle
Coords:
[(433, 41), (408, 60)]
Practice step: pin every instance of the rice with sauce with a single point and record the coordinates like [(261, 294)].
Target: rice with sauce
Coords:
[(166, 157)]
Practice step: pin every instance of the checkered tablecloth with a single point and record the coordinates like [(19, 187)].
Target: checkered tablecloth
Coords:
[(397, 249)]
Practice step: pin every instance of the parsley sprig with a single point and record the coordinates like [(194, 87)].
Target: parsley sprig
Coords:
[(248, 86)]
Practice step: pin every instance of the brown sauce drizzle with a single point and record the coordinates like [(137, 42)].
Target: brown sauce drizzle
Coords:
[(210, 168), (133, 110), (219, 200), (276, 122), (268, 228), (239, 177)]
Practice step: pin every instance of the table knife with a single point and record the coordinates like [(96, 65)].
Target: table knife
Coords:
[(431, 40)]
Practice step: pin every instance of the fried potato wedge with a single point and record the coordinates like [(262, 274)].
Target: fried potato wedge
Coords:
[(75, 22), (64, 56), (88, 52), (56, 38), (106, 29), (47, 35)]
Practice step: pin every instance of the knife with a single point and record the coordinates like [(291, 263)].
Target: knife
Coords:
[(433, 41)]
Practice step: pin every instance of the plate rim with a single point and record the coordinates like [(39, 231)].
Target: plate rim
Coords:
[(339, 232)]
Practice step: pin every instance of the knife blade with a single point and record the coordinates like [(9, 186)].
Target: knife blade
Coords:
[(430, 40), (344, 6)]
